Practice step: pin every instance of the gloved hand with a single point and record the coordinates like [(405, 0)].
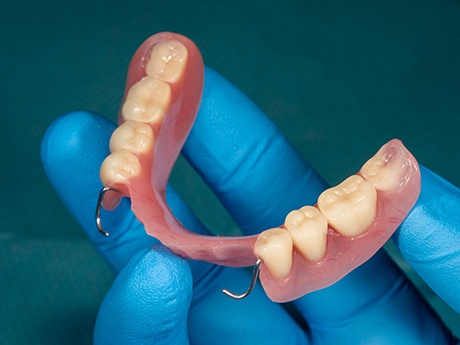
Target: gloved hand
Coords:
[(159, 298)]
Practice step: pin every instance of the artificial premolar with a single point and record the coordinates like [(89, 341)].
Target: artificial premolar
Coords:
[(350, 207), (132, 136), (387, 169), (167, 61), (308, 228), (119, 167), (274, 248), (147, 101)]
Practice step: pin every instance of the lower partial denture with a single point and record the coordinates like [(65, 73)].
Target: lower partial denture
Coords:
[(315, 247)]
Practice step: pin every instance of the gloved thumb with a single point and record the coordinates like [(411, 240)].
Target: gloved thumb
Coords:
[(148, 302)]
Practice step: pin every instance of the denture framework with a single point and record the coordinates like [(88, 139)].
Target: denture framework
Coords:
[(315, 247)]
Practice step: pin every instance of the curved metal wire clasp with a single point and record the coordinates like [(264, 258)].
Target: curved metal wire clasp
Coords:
[(98, 209), (255, 276)]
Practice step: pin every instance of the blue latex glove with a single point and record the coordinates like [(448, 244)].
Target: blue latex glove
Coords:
[(159, 298)]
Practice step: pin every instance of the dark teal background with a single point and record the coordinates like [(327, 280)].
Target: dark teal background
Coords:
[(339, 78)]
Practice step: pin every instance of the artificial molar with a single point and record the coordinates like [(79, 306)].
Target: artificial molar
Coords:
[(167, 61), (132, 136), (308, 228), (350, 207), (388, 169), (274, 248), (147, 101)]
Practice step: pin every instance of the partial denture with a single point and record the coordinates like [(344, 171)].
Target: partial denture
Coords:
[(315, 247)]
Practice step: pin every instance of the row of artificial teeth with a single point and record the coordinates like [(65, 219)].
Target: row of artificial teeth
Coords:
[(349, 209), (145, 106)]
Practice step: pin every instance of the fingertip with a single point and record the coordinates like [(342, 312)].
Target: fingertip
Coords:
[(63, 138), (148, 301), (72, 149), (428, 238)]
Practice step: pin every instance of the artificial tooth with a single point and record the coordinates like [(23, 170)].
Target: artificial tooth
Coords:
[(119, 167), (386, 170), (167, 61), (350, 207), (133, 136), (274, 248), (308, 228), (147, 101)]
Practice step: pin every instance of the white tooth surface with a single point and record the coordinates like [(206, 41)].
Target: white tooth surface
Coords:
[(350, 207), (119, 167), (133, 136), (274, 247), (167, 61), (147, 101), (385, 170), (308, 228)]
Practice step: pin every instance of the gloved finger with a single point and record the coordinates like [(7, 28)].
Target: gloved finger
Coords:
[(72, 151), (246, 161), (216, 319), (148, 302), (375, 303), (259, 177), (429, 238)]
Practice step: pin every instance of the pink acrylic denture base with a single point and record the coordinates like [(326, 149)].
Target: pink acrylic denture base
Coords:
[(147, 193)]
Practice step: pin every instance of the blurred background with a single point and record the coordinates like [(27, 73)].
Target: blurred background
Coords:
[(339, 79)]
